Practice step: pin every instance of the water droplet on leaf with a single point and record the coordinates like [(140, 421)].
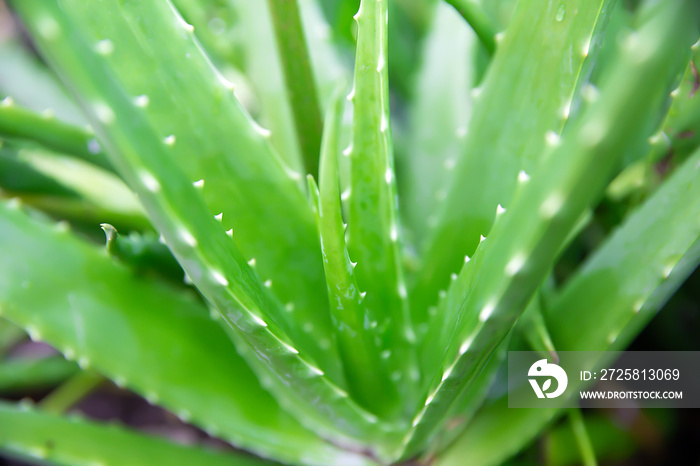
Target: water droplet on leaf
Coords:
[(561, 12)]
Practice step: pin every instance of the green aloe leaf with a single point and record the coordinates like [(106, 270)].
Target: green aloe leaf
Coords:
[(618, 290), (68, 188), (17, 177), (17, 122), (356, 337), (468, 402), (238, 298), (150, 338), (477, 18), (261, 199), (655, 241), (23, 375), (216, 26), (683, 123), (36, 436), (262, 65), (143, 252), (373, 224), (508, 267), (110, 197), (298, 78), (438, 118), (675, 139), (557, 37), (283, 351)]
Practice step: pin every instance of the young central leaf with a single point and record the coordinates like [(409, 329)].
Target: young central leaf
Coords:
[(373, 220)]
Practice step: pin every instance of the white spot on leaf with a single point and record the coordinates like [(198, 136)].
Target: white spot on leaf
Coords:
[(219, 278), (486, 312), (142, 101), (104, 47), (149, 182)]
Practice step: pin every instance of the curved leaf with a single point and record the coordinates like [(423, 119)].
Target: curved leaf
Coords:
[(356, 337), (525, 240), (536, 105), (150, 338), (283, 352), (146, 56), (373, 224), (618, 290), (41, 437)]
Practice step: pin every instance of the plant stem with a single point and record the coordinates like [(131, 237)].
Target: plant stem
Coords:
[(299, 80), (72, 391), (583, 441), (478, 20)]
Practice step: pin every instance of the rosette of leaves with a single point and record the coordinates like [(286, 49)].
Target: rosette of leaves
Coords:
[(306, 273)]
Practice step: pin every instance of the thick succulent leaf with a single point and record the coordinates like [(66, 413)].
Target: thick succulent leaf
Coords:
[(298, 77), (40, 437), (142, 50), (621, 286), (531, 330), (500, 11), (496, 433), (645, 250), (622, 19), (21, 123), (525, 240), (215, 24), (373, 224), (683, 122), (675, 139), (326, 62), (23, 375), (17, 177), (480, 22), (355, 334), (281, 352), (551, 36), (68, 188), (142, 252), (263, 67), (438, 118), (147, 337), (468, 402), (410, 21), (95, 186)]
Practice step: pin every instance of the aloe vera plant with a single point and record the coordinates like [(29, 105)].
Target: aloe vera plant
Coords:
[(342, 287)]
